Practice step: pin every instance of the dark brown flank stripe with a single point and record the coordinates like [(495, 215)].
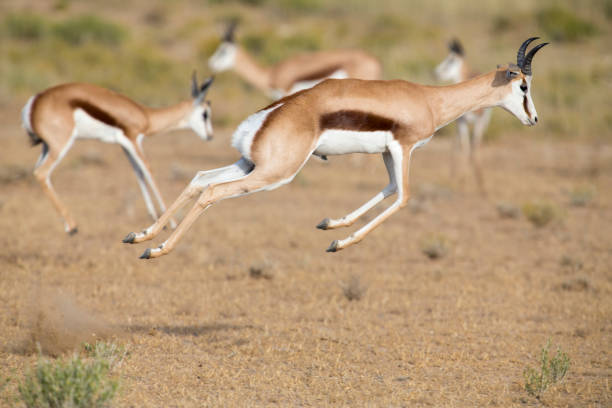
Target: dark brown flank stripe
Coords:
[(356, 120), (323, 73), (97, 113)]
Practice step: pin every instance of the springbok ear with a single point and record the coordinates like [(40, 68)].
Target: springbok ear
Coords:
[(194, 85), (206, 85)]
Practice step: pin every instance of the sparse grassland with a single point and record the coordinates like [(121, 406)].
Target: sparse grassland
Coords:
[(249, 310)]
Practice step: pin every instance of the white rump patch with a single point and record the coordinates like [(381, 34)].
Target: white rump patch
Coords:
[(300, 86), (26, 115), (242, 139), (339, 141)]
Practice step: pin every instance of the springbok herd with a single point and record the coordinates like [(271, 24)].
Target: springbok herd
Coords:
[(325, 103)]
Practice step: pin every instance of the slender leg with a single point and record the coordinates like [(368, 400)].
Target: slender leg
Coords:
[(461, 150), (138, 157), (401, 165), (349, 219), (47, 162), (236, 171), (142, 184), (479, 128), (253, 182)]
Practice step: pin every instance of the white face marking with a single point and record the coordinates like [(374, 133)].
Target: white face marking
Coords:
[(450, 68), (246, 131), (514, 102), (300, 86), (223, 58), (200, 120), (339, 141)]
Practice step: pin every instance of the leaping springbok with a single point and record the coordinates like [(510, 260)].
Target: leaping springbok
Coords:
[(294, 74), (347, 116), (59, 115), (455, 69)]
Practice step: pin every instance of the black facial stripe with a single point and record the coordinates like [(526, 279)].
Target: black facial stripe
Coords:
[(525, 106)]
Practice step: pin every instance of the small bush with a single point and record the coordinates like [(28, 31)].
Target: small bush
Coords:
[(25, 26), (73, 382), (508, 210), (541, 214), (582, 195), (435, 246), (552, 370), (562, 25), (353, 290), (89, 28)]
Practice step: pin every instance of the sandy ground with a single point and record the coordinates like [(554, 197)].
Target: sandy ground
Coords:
[(249, 310)]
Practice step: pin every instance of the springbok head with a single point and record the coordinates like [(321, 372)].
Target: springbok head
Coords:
[(450, 68), (225, 55), (199, 118), (516, 82)]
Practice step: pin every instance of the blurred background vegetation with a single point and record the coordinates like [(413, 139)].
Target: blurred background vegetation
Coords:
[(148, 48)]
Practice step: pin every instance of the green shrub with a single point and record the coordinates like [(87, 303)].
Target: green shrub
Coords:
[(73, 382), (541, 214), (580, 196), (89, 28), (562, 25), (551, 370), (25, 26), (435, 246)]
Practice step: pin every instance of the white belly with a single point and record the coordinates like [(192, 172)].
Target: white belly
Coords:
[(338, 141), (87, 127), (242, 139)]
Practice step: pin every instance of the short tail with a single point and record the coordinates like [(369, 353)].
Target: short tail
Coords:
[(26, 115)]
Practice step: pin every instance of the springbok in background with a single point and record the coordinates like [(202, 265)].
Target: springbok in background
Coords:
[(59, 115), (294, 74), (455, 69), (347, 116)]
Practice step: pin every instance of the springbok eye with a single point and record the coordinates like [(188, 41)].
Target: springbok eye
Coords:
[(524, 87), (205, 115)]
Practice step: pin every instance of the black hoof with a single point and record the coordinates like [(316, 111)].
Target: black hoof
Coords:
[(333, 247), (146, 254), (129, 239), (73, 231), (323, 225)]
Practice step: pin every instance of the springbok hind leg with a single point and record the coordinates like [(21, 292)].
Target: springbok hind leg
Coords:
[(48, 160), (255, 181), (196, 186)]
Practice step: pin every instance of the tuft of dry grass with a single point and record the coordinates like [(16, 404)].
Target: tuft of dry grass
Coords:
[(435, 246), (541, 213), (353, 289)]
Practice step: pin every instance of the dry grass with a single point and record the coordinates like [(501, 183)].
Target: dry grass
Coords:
[(205, 331)]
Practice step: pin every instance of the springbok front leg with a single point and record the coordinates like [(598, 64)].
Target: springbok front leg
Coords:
[(401, 165), (142, 184), (349, 219), (255, 181), (479, 128), (202, 180)]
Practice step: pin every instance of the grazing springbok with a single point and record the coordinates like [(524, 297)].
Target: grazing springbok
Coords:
[(59, 115), (294, 74), (455, 69), (347, 116)]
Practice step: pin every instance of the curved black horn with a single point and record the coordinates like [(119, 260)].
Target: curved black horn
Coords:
[(526, 68), (229, 31), (206, 85), (194, 85), (456, 47), (520, 56)]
